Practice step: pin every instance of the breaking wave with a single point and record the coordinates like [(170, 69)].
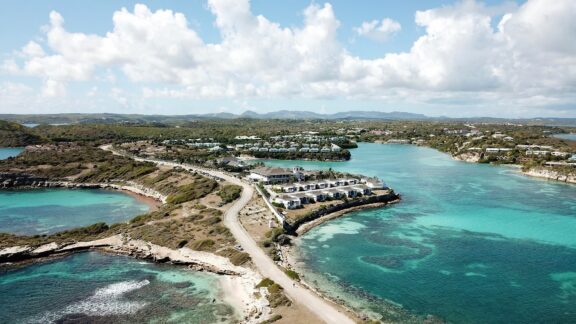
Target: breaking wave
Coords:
[(105, 301)]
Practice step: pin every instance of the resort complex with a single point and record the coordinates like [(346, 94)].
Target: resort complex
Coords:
[(288, 162)]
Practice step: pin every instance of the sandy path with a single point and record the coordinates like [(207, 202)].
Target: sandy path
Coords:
[(322, 308)]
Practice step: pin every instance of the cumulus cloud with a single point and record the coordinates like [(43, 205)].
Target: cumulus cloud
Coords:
[(378, 30), (531, 53)]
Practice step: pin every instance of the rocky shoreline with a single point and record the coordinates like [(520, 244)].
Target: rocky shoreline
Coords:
[(304, 228), (550, 175), (467, 157), (25, 181), (331, 212), (240, 281)]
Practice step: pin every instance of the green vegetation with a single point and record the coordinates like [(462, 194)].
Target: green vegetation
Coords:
[(13, 135), (202, 245), (276, 295), (292, 274), (343, 155), (110, 171), (87, 163), (91, 232), (198, 189), (201, 230), (229, 193)]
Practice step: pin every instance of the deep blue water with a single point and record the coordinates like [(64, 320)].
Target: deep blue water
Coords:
[(6, 152), (46, 211), (470, 243), (101, 288)]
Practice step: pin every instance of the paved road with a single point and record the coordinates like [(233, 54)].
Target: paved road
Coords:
[(322, 308)]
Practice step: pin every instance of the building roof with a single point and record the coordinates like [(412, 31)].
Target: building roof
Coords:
[(229, 159), (271, 171), (289, 197)]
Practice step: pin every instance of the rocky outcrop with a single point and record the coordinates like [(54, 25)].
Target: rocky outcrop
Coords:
[(121, 244), (14, 180), (468, 157), (551, 175)]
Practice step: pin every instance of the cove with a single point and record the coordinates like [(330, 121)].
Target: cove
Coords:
[(93, 287), (570, 136), (7, 152), (469, 243), (46, 211)]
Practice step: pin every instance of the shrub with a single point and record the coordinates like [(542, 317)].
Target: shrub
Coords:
[(292, 274), (239, 258), (229, 193), (195, 190), (266, 282), (202, 245)]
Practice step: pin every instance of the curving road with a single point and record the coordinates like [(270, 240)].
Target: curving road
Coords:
[(322, 308)]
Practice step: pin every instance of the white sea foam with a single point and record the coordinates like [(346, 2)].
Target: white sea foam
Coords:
[(105, 301)]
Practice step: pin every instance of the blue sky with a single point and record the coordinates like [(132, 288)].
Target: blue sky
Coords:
[(455, 58)]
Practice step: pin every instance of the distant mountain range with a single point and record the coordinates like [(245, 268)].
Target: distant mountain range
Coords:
[(281, 114), (292, 114)]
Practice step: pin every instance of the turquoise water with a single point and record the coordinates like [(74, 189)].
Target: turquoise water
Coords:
[(6, 152), (570, 137), (46, 211), (470, 243), (100, 288)]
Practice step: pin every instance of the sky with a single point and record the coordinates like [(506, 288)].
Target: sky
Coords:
[(460, 58)]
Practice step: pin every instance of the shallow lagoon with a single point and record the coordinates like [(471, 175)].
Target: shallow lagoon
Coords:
[(100, 288), (470, 243), (46, 211), (570, 136), (7, 152)]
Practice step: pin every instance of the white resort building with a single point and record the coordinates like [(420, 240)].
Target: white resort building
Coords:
[(293, 195)]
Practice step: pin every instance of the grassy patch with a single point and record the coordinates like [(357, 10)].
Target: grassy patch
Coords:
[(229, 193), (292, 274), (198, 189), (202, 245), (276, 296)]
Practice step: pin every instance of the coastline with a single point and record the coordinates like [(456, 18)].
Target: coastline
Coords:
[(540, 173), (238, 283), (253, 158), (289, 260), (149, 196), (304, 228), (352, 303), (550, 175), (152, 203)]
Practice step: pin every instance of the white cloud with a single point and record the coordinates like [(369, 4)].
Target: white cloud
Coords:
[(53, 88), (530, 54), (378, 30)]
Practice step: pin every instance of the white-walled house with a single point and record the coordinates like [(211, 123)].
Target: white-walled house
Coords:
[(270, 175), (316, 195), (364, 189), (374, 183), (288, 201)]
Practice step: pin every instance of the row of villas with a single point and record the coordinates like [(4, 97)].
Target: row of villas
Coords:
[(295, 194), (294, 149), (534, 150), (279, 176), (297, 199)]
